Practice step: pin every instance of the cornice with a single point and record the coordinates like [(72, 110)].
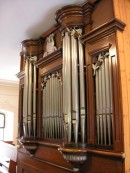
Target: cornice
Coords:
[(103, 31), (87, 8), (32, 47), (101, 50), (49, 58), (51, 30), (70, 15), (74, 15)]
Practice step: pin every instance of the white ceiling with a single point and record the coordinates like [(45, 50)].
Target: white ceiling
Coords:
[(20, 20)]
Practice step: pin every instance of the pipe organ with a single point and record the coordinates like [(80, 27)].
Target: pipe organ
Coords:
[(70, 112)]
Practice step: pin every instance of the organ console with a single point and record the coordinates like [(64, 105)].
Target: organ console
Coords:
[(69, 107)]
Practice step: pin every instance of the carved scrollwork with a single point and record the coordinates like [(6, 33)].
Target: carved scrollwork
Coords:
[(50, 47), (56, 74), (99, 62)]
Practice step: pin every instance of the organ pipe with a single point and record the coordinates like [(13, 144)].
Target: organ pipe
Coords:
[(75, 88), (82, 88), (30, 99), (29, 105), (104, 114), (67, 86), (25, 103), (52, 110), (73, 85), (34, 100)]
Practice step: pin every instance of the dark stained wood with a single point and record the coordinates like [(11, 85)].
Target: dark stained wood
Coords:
[(46, 159), (99, 35), (103, 31), (51, 30), (54, 56), (90, 107), (12, 166), (32, 47), (118, 142), (102, 13), (96, 164), (70, 15)]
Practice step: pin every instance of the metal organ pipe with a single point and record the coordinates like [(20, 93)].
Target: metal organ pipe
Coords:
[(51, 103), (82, 89), (34, 99), (97, 107), (109, 98), (29, 108), (67, 85), (75, 88), (103, 99), (25, 103), (73, 85), (30, 99)]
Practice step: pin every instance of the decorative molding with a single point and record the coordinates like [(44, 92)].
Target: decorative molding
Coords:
[(30, 144), (51, 30), (103, 49), (48, 144), (119, 155), (49, 58), (70, 15), (20, 75), (32, 47), (87, 10), (56, 74), (76, 154), (98, 64), (103, 31), (74, 15)]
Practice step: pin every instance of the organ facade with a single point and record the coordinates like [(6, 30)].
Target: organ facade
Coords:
[(70, 94)]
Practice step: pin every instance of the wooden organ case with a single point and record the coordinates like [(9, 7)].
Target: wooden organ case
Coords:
[(69, 98)]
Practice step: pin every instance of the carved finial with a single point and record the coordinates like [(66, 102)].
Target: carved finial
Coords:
[(49, 45)]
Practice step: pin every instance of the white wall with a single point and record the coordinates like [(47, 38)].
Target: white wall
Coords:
[(9, 106)]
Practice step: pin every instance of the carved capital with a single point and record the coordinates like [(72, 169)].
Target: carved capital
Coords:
[(74, 15), (32, 47), (30, 144), (69, 16), (76, 154)]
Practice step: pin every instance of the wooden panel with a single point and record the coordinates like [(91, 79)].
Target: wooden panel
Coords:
[(102, 13), (46, 160), (98, 164), (122, 12)]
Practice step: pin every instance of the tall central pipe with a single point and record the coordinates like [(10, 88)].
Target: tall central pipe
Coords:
[(67, 85), (75, 88), (73, 85)]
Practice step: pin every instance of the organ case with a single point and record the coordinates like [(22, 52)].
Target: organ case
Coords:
[(69, 107)]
